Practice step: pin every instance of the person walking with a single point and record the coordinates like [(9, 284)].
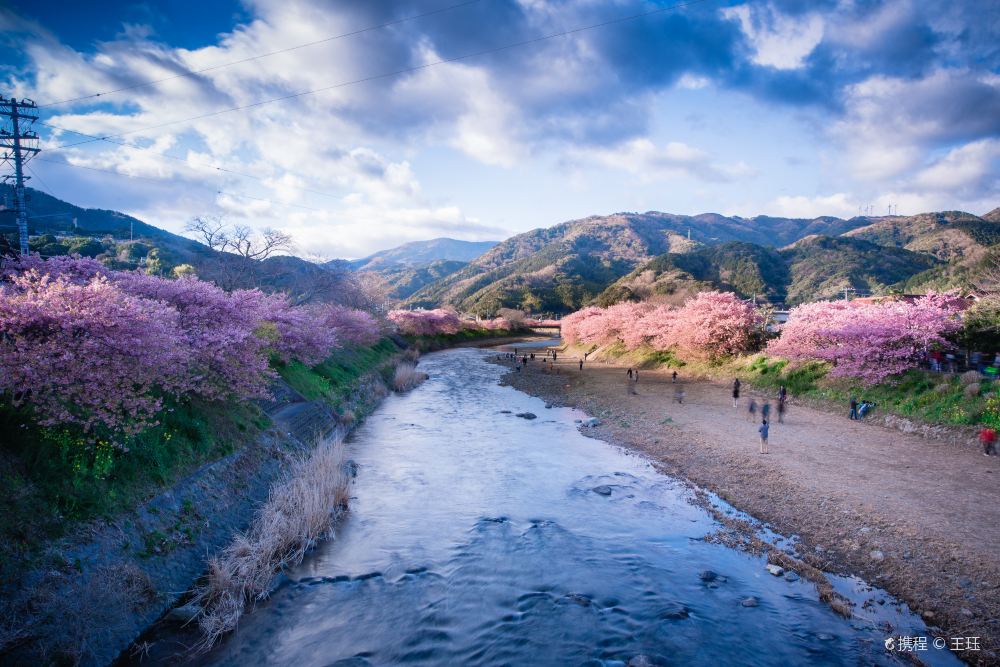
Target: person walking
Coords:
[(629, 374), (781, 412), (752, 411), (635, 376), (736, 392), (581, 364), (765, 411), (782, 394), (762, 430), (854, 408), (673, 378), (679, 395), (554, 355), (988, 438)]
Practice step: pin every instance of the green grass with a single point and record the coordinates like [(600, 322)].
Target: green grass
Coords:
[(332, 380), (54, 478), (920, 395), (441, 341), (928, 397)]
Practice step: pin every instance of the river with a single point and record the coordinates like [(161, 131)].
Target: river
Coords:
[(475, 537)]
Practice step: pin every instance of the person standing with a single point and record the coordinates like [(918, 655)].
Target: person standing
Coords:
[(762, 430), (854, 408), (629, 374), (581, 364), (554, 355), (988, 438), (635, 376), (673, 378), (782, 394), (781, 412), (752, 411), (679, 395), (765, 411), (736, 393)]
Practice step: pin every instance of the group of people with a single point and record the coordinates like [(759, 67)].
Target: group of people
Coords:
[(860, 408), (765, 411), (949, 362)]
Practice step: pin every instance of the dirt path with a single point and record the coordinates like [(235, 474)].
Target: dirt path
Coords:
[(917, 516)]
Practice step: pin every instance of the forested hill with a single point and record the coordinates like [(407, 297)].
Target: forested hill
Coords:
[(561, 268)]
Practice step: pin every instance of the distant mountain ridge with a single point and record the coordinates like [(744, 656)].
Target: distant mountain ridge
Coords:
[(561, 268), (422, 253)]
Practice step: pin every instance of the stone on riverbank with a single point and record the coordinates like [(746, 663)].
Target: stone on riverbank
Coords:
[(592, 422), (526, 415), (776, 570)]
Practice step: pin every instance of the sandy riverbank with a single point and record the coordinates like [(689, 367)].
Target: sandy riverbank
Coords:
[(915, 516)]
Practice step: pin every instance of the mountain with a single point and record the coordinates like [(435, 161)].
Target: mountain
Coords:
[(121, 241), (402, 281), (815, 267), (423, 253), (560, 268), (603, 259)]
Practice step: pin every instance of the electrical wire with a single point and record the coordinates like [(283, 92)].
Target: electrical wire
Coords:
[(262, 55), (161, 182), (185, 161), (386, 75)]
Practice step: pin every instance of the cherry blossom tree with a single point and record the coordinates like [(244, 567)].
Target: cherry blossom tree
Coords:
[(88, 354), (868, 340), (716, 324)]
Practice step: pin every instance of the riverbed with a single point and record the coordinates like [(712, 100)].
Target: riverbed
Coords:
[(477, 536)]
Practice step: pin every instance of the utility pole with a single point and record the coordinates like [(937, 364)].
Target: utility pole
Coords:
[(18, 145)]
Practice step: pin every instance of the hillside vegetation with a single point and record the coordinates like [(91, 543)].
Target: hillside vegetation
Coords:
[(632, 256)]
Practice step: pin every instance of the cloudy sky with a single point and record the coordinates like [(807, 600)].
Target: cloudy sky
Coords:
[(412, 119)]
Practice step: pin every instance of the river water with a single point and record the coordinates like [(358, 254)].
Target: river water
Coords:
[(475, 538)]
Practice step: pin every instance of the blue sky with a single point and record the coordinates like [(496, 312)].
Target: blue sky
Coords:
[(781, 107)]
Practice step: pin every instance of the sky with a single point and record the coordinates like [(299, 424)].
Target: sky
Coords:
[(379, 122)]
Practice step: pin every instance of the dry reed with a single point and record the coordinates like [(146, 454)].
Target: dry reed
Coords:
[(299, 512), (407, 377)]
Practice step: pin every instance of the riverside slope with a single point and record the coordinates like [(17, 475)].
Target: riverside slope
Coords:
[(917, 516)]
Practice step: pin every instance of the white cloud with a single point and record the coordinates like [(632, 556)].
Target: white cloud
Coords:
[(800, 206), (779, 41), (671, 161), (892, 122), (973, 167)]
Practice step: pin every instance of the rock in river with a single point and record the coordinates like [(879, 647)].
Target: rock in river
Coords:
[(749, 602), (526, 415), (674, 612), (776, 570), (603, 490), (708, 575)]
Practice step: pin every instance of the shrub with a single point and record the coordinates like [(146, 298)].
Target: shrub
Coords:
[(299, 512), (407, 377), (970, 377), (972, 390), (425, 322)]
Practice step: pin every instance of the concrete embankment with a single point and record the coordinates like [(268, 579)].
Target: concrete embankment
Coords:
[(122, 575)]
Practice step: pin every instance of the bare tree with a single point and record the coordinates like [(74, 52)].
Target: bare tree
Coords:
[(241, 248), (255, 246), (209, 230)]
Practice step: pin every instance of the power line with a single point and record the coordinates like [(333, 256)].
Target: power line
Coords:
[(325, 40), (386, 75), (160, 181), (185, 161)]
